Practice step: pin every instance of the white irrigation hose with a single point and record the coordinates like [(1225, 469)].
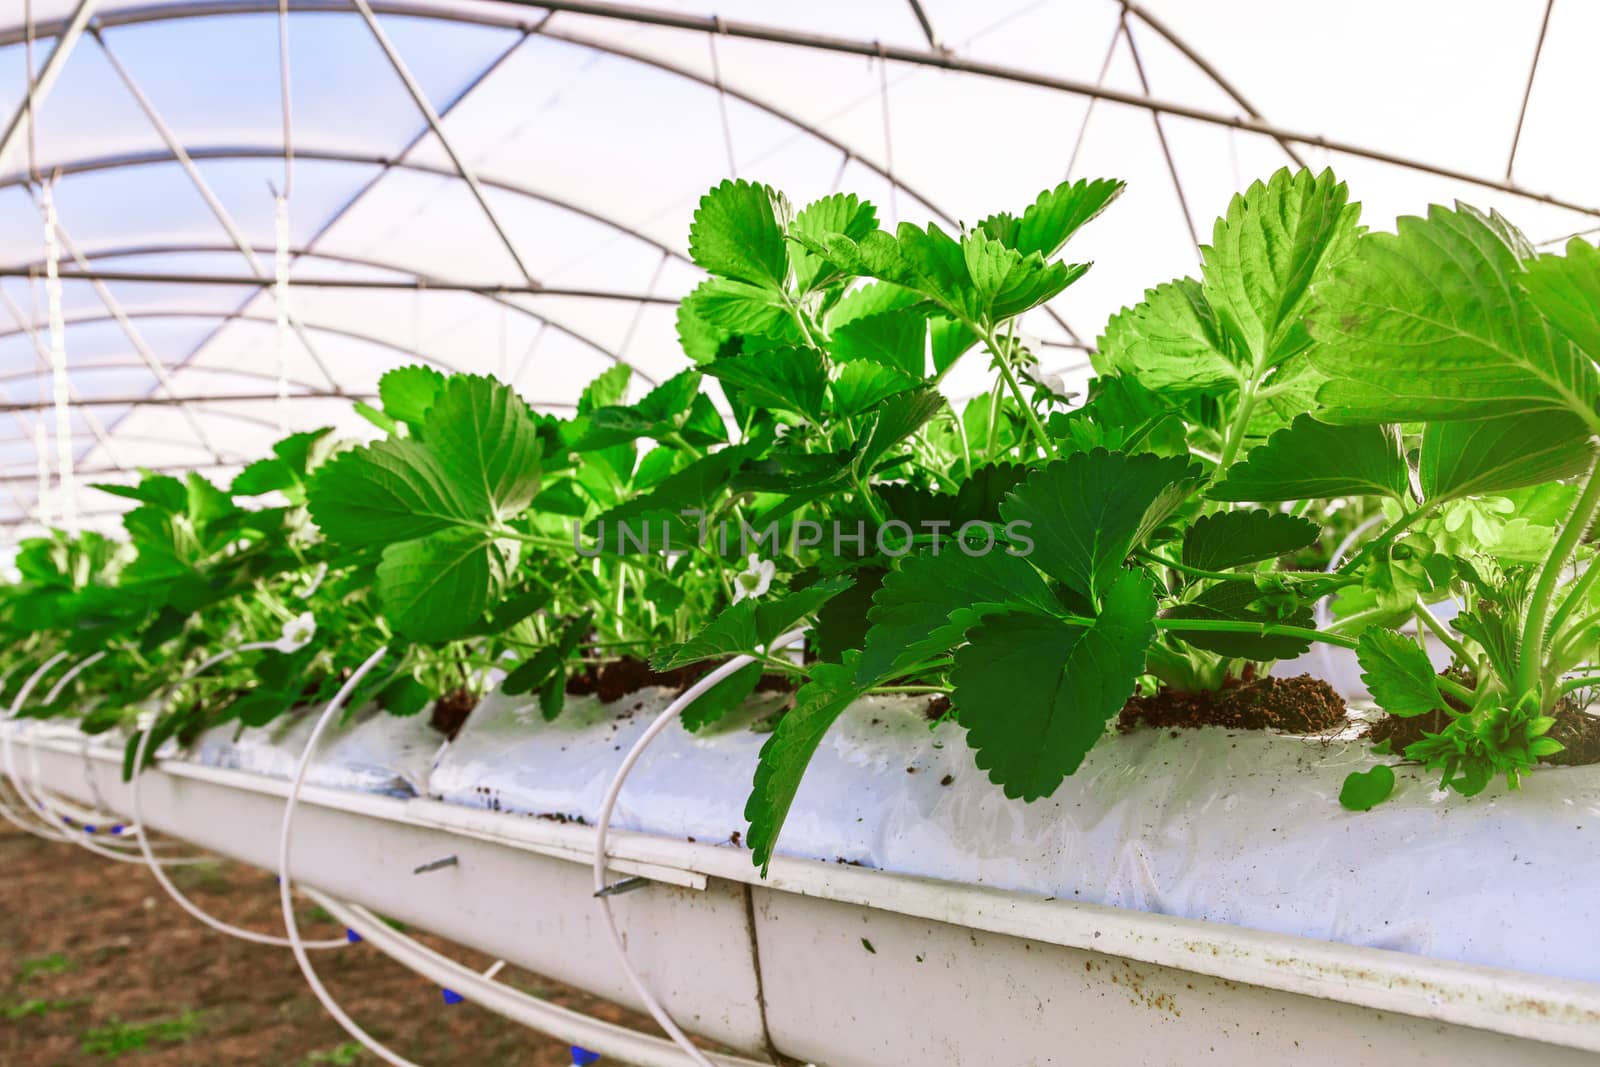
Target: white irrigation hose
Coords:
[(603, 823), (608, 1039), (34, 793), (22, 820), (290, 923), (155, 865)]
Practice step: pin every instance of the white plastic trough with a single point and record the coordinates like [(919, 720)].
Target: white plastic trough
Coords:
[(841, 965)]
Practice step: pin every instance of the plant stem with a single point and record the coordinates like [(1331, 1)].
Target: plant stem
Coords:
[(1384, 540), (913, 689), (1236, 429), (1259, 629), (1531, 663), (1000, 361), (1574, 684)]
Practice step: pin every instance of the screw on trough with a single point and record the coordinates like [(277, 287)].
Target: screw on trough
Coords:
[(437, 865), (627, 885)]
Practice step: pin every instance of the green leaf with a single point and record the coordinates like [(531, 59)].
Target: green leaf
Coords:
[(1054, 217), (861, 387), (750, 624), (608, 389), (1311, 460), (1230, 538), (788, 751), (733, 307), (486, 444), (405, 696), (721, 698), (1398, 673), (899, 417), (392, 490), (894, 339), (1034, 693), (787, 379), (1172, 342), (1463, 459), (841, 213), (538, 670), (436, 588), (1365, 790), (408, 392), (930, 601), (1567, 289), (1431, 324), (1242, 601), (738, 233), (1088, 512), (1275, 241), (676, 406)]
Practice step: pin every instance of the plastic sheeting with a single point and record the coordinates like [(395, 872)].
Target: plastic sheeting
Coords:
[(370, 752), (1234, 827)]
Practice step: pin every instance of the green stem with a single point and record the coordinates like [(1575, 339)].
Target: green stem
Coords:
[(1574, 684), (1531, 662), (1426, 618), (914, 689), (1384, 540), (1575, 595), (1037, 427), (1234, 626), (1236, 429)]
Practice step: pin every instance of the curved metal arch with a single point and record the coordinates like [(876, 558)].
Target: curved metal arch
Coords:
[(266, 320), (359, 261), (85, 369), (209, 8), (210, 314), (827, 43), (204, 153)]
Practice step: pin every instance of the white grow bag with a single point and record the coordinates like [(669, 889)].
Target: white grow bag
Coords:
[(1267, 919)]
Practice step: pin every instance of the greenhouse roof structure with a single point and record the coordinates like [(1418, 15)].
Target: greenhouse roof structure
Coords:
[(505, 187)]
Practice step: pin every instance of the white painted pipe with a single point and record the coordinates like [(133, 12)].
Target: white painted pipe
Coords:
[(603, 824), (564, 1024)]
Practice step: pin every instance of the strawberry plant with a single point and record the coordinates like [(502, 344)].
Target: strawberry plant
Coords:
[(1033, 563)]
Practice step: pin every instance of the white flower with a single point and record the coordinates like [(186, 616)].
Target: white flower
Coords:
[(297, 633), (754, 580)]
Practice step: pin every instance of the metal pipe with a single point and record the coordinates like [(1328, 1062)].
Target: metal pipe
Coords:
[(67, 36)]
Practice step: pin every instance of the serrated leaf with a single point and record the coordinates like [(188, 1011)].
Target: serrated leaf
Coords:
[(408, 392), (1312, 460), (392, 490), (1431, 323), (786, 754), (547, 664), (1398, 673), (1567, 289), (721, 698), (1241, 601), (485, 441), (1088, 512), (1276, 239), (750, 624), (841, 213), (436, 588), (1054, 217), (734, 307), (1365, 790), (1035, 693), (738, 233), (893, 339), (860, 387), (899, 417), (1171, 342), (608, 389), (787, 379), (1462, 459), (1227, 539), (929, 602)]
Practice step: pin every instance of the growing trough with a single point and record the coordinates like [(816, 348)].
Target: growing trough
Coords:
[(1011, 933)]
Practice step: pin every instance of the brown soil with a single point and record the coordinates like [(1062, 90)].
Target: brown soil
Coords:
[(615, 679), (1298, 705), (1575, 728), (85, 945), (450, 712)]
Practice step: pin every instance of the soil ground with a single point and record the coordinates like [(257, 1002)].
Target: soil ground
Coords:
[(1297, 705), (98, 966)]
